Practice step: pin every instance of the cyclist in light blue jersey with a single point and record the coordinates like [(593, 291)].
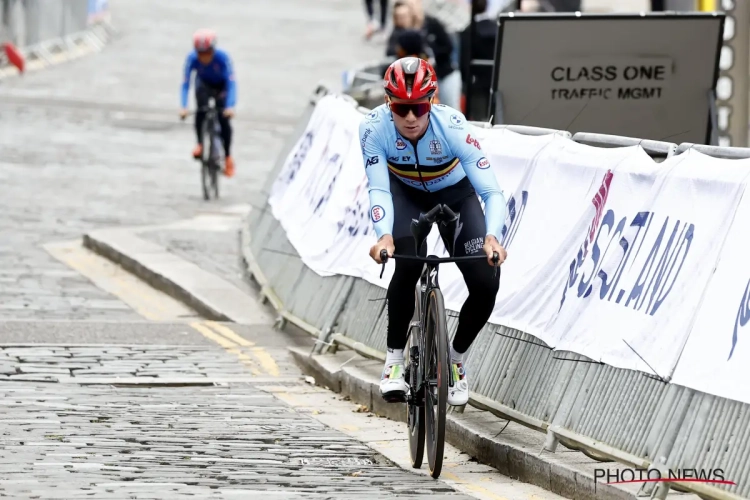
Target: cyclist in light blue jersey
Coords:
[(418, 154)]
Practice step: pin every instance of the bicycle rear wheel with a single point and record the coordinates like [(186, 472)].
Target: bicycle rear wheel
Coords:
[(436, 378)]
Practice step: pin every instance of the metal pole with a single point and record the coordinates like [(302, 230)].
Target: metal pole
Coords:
[(732, 88), (470, 73)]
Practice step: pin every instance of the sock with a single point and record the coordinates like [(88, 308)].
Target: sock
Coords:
[(456, 357), (394, 356)]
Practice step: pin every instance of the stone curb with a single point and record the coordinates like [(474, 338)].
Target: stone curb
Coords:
[(206, 293)]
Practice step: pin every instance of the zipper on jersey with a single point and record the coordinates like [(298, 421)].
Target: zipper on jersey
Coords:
[(416, 165), (419, 171)]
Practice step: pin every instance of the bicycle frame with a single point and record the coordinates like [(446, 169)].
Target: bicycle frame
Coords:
[(429, 353)]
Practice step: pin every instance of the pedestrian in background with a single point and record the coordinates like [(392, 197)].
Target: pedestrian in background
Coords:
[(412, 43), (372, 28), (449, 77), (403, 20)]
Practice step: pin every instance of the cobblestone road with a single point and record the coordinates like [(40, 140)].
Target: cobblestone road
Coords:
[(71, 440)]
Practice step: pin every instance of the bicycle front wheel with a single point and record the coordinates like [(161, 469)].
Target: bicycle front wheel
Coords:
[(207, 174), (436, 377)]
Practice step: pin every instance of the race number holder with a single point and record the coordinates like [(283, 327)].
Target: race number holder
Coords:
[(638, 75)]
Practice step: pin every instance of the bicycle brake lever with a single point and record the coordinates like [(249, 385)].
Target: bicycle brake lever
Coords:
[(383, 259), (495, 258)]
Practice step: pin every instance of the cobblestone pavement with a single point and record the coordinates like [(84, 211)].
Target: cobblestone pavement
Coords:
[(96, 142), (63, 441)]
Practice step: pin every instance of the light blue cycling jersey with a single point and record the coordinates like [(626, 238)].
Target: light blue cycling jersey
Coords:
[(446, 154)]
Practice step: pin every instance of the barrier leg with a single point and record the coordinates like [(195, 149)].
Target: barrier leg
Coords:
[(550, 444)]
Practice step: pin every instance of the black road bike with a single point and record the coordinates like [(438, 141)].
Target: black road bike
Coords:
[(213, 151), (427, 366)]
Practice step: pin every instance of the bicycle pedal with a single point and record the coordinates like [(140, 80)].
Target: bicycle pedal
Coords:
[(395, 397)]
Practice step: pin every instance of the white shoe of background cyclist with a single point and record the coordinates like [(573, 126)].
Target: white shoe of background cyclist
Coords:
[(393, 386), (458, 395)]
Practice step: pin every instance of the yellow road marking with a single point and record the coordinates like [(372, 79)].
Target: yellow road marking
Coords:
[(210, 335), (266, 361), (228, 333), (228, 345), (471, 486)]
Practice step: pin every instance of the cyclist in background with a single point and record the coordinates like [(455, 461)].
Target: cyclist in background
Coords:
[(418, 154), (214, 74)]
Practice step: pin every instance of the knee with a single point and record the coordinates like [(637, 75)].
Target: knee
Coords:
[(483, 282)]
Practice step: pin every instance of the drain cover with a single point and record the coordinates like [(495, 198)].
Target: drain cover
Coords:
[(336, 462)]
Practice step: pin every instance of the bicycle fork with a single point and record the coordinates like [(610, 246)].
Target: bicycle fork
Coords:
[(416, 396)]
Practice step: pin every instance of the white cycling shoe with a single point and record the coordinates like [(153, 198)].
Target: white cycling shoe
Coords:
[(458, 395), (393, 386)]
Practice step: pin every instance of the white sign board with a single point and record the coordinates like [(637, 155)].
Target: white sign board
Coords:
[(649, 76)]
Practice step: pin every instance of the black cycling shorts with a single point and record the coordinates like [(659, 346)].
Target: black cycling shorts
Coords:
[(409, 202)]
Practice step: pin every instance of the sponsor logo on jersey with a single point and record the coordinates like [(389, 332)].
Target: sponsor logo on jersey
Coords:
[(377, 213), (363, 141), (371, 161), (473, 142), (400, 144), (456, 120), (436, 148), (483, 163)]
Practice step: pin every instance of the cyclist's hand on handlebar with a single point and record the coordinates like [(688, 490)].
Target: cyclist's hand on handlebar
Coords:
[(229, 112), (492, 247), (384, 243), (183, 113)]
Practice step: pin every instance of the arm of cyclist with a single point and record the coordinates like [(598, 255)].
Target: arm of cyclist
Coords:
[(231, 86), (381, 201), (477, 168), (187, 70)]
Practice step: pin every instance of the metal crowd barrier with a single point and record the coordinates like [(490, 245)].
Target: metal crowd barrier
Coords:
[(605, 412), (41, 29)]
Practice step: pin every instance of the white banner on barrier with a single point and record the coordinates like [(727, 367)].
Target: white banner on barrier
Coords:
[(716, 357), (657, 254), (555, 217), (609, 253), (320, 196)]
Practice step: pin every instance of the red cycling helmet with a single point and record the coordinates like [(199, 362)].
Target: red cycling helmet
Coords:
[(410, 78), (204, 40)]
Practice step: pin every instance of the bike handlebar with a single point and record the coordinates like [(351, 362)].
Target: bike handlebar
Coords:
[(435, 260)]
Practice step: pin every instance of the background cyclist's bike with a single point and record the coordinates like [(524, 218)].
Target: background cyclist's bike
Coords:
[(427, 362), (212, 157)]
